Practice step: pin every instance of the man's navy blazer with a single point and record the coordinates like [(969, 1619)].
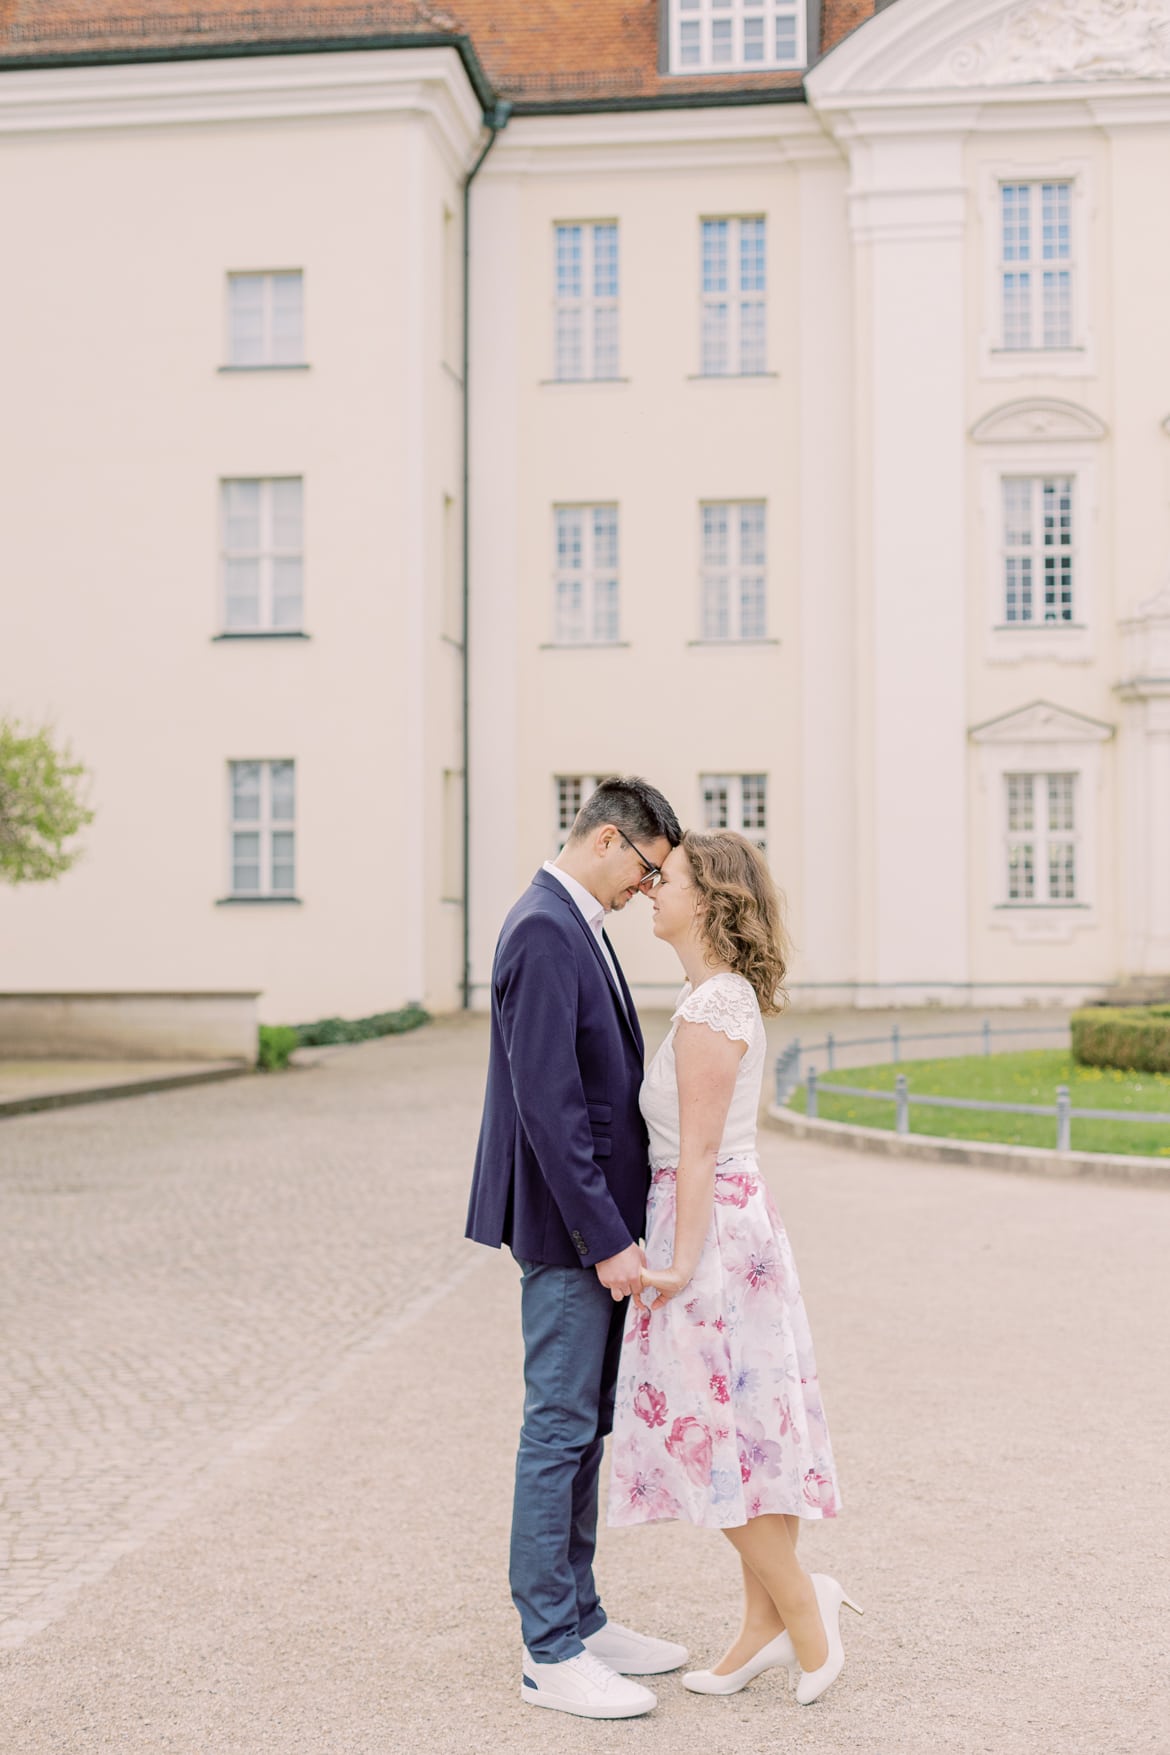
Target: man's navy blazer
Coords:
[(562, 1170)]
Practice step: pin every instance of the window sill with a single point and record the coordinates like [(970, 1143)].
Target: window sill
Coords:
[(583, 645), (1040, 907), (258, 901), (1032, 642), (269, 366), (262, 634), (763, 640), (731, 377), (582, 383)]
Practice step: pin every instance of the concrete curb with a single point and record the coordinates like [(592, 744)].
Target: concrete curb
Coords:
[(129, 1088), (1023, 1160)]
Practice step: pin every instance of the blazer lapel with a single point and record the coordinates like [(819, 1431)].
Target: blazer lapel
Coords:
[(619, 994), (631, 1014)]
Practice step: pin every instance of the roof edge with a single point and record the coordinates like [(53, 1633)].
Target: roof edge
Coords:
[(485, 93), (692, 100)]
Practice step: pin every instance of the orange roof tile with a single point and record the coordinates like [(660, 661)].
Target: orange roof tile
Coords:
[(531, 51)]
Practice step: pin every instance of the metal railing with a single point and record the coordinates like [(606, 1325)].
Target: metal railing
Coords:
[(902, 1098), (788, 1072)]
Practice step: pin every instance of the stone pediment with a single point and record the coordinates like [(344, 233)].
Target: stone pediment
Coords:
[(1037, 418), (981, 45), (1068, 40), (1041, 722)]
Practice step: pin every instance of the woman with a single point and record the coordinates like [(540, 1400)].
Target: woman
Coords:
[(718, 1416)]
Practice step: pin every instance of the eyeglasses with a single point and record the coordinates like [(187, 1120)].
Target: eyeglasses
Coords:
[(653, 872)]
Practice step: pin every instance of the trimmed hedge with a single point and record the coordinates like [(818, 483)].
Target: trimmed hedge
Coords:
[(1131, 1038), (327, 1031), (277, 1042)]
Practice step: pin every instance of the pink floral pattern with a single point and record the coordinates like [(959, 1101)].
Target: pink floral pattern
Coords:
[(718, 1415)]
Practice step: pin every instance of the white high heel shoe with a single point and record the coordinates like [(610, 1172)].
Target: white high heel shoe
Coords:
[(777, 1652), (812, 1683)]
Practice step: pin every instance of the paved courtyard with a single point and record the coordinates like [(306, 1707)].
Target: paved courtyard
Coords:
[(259, 1401)]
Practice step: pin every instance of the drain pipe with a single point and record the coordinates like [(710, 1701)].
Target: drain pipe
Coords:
[(496, 121)]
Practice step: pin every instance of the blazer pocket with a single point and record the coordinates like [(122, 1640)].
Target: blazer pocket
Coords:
[(602, 1148), (599, 1111)]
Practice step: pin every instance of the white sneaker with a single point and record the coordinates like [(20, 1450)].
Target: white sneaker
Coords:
[(634, 1654), (585, 1686)]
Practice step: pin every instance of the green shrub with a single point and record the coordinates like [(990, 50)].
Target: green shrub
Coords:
[(327, 1031), (1132, 1038), (277, 1042)]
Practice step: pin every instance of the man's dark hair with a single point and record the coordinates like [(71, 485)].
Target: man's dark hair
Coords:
[(637, 809)]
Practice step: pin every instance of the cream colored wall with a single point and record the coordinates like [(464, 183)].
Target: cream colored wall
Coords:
[(118, 241), (658, 444)]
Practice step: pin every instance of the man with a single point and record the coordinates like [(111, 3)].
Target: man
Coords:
[(561, 1176)]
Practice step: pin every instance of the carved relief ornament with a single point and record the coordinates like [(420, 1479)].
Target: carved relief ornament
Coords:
[(1051, 40)]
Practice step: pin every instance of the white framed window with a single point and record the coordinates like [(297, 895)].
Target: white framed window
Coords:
[(1038, 549), (1036, 265), (734, 277), (736, 36), (262, 832), (1040, 775), (737, 801), (1041, 841), (570, 793), (266, 319), (586, 576), (585, 317), (262, 556), (734, 571)]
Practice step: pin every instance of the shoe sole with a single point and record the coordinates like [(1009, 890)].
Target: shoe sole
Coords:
[(533, 1697)]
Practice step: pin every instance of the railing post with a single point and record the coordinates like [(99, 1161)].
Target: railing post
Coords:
[(1063, 1118), (901, 1105), (829, 1048), (987, 1035), (810, 1107), (896, 1043)]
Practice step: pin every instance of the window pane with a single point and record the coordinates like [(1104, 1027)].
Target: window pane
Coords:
[(716, 536), (570, 359), (716, 789), (1017, 310), (246, 319), (751, 337), (245, 792), (287, 498), (786, 39), (283, 860), (752, 607), (569, 277), (241, 508), (754, 790), (1055, 221), (1058, 579), (287, 592), (1060, 802), (714, 255), (605, 342), (605, 537), (605, 609), (753, 39), (1021, 874), (241, 593), (1015, 209), (569, 801), (282, 782), (721, 41), (752, 262), (1056, 291), (1019, 788), (605, 261), (689, 45), (1062, 872), (714, 340), (569, 606), (288, 346), (245, 863)]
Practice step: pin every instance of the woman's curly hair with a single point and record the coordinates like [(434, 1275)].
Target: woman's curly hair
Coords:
[(740, 912)]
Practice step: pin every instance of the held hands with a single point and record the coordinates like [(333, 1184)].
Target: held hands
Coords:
[(622, 1275), (665, 1283)]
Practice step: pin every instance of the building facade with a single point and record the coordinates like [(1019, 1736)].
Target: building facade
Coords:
[(816, 465)]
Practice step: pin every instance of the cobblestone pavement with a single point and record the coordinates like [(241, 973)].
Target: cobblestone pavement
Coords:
[(258, 1415)]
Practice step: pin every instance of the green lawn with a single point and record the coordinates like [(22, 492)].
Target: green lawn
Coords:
[(1030, 1077)]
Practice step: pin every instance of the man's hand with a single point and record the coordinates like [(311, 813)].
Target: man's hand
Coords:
[(622, 1274)]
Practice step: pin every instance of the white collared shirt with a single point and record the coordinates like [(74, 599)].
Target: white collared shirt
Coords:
[(593, 914)]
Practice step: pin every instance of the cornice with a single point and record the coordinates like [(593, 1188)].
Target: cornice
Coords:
[(165, 94), (683, 139)]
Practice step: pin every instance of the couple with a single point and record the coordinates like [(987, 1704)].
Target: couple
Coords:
[(706, 1376)]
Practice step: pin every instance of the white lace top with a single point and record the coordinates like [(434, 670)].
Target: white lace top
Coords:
[(727, 1003)]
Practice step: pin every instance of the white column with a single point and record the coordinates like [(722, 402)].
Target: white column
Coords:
[(828, 835), (907, 212), (492, 628)]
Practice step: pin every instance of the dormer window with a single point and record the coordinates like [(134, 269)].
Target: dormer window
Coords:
[(736, 36)]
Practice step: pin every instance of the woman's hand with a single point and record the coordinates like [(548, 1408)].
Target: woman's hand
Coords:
[(666, 1282)]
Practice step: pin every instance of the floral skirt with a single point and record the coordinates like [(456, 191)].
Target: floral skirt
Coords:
[(718, 1416)]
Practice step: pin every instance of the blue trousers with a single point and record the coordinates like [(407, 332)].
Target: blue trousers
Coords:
[(572, 1339)]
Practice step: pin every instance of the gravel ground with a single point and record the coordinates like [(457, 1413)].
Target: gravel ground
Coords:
[(260, 1406)]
